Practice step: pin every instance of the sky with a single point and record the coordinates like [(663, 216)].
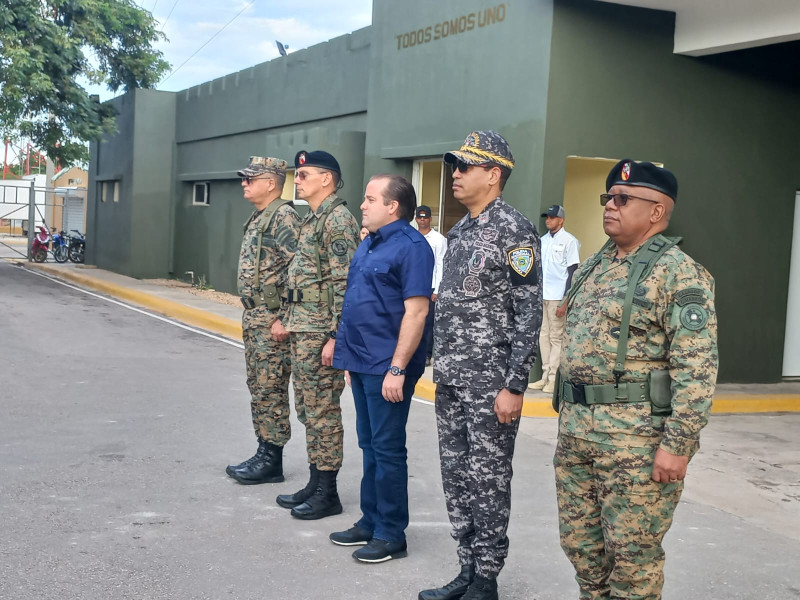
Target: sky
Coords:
[(248, 40)]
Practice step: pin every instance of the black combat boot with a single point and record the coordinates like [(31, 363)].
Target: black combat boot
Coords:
[(296, 499), (481, 589), (324, 502), (453, 590), (262, 447), (266, 469)]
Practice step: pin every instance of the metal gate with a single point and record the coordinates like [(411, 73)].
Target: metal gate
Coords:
[(26, 206)]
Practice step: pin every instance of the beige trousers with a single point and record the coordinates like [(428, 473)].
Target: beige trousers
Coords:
[(550, 338)]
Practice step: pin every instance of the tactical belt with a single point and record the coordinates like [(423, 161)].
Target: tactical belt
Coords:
[(577, 393), (269, 295), (307, 295)]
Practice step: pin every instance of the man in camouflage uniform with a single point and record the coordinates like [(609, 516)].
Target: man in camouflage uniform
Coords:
[(270, 238), (637, 376), (488, 315), (316, 283)]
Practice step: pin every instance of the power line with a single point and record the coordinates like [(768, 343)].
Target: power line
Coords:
[(174, 4), (245, 7)]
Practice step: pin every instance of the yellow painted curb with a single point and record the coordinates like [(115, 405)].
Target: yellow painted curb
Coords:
[(736, 403), (756, 404), (185, 314)]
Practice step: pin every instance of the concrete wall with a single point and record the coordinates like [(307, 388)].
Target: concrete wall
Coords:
[(313, 99), (132, 236), (726, 125), (488, 69), (109, 224)]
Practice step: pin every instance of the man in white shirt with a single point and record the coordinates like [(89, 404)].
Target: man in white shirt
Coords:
[(438, 244), (559, 260)]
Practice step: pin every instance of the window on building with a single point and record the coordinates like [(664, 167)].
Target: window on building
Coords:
[(201, 194), (109, 191)]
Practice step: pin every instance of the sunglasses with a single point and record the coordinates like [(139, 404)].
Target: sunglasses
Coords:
[(622, 199), (463, 167), (249, 180)]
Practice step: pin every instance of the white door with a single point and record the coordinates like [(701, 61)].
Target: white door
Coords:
[(791, 345)]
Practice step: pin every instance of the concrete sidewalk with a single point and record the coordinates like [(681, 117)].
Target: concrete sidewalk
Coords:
[(180, 304)]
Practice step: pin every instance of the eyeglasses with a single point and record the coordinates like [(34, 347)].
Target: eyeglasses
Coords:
[(249, 180), (464, 167), (301, 175), (622, 199)]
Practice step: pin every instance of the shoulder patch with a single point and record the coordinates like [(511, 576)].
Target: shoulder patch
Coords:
[(339, 246), (521, 261), (690, 296), (693, 317)]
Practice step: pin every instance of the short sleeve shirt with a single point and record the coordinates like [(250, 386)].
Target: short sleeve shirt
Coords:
[(391, 265), (559, 252)]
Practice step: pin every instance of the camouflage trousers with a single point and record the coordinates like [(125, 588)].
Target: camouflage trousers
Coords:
[(268, 371), (475, 452), (317, 390), (613, 517)]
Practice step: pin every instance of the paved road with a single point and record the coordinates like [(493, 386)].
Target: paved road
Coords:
[(115, 429)]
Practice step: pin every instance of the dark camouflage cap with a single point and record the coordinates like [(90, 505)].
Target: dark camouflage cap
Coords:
[(260, 165), (643, 174), (482, 147)]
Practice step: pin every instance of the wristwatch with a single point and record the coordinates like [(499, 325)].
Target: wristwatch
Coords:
[(396, 370), (332, 334)]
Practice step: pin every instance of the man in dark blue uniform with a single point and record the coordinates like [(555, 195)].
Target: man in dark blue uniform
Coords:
[(381, 342)]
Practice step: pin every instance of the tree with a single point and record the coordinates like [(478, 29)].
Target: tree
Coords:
[(48, 46)]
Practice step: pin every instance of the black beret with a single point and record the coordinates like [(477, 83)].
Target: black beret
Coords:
[(317, 158), (643, 174)]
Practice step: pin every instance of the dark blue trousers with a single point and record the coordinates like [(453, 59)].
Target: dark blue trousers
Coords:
[(381, 429)]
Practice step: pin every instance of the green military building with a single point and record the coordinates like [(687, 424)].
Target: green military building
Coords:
[(574, 85)]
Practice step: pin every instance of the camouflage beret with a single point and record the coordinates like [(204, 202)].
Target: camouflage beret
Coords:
[(482, 147), (643, 174), (260, 165)]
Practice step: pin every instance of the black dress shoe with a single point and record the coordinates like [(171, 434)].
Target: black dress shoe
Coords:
[(453, 590), (377, 551), (355, 536)]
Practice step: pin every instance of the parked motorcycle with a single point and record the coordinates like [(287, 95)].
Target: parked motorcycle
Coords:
[(77, 247), (60, 248), (41, 242)]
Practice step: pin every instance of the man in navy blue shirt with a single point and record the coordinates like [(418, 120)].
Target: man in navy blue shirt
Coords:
[(381, 342)]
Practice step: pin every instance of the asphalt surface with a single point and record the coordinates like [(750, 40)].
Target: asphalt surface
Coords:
[(115, 429)]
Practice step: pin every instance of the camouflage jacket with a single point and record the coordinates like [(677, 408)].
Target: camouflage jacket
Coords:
[(278, 244), (339, 242), (673, 326), (489, 308)]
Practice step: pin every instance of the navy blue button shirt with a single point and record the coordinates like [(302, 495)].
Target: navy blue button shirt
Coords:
[(390, 265)]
